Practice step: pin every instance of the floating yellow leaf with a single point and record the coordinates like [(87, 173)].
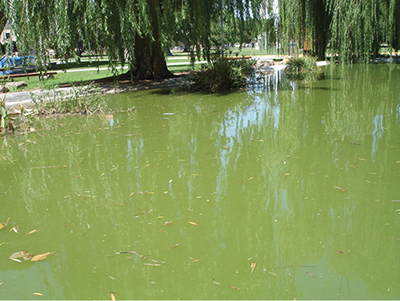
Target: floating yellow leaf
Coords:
[(196, 260), (112, 297), (234, 287), (1, 226), (38, 294), (192, 223), (287, 174), (339, 188), (253, 266), (41, 256), (33, 231)]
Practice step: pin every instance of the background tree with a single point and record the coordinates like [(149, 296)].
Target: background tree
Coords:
[(301, 20), (351, 28), (130, 31)]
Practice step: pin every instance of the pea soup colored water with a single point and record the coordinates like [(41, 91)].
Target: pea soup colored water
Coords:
[(264, 194)]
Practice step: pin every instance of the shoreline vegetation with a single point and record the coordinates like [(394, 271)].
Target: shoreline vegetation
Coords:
[(86, 97)]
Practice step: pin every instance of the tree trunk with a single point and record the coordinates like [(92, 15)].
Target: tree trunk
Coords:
[(149, 56), (396, 33), (321, 28)]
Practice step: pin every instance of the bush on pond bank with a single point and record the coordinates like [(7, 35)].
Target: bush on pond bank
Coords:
[(303, 68), (223, 74)]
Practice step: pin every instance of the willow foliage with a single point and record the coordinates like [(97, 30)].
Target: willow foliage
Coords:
[(136, 31), (359, 27), (350, 28)]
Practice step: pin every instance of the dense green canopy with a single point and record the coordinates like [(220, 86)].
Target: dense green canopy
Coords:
[(137, 32), (133, 31), (348, 28)]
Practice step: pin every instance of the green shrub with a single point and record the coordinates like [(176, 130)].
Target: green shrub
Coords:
[(303, 68), (222, 75)]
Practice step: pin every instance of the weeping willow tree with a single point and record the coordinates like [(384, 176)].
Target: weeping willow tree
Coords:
[(304, 20), (133, 32), (367, 25), (351, 29)]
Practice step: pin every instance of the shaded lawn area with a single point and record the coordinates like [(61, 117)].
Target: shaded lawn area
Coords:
[(77, 78)]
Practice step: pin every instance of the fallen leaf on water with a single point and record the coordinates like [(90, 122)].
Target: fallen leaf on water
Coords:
[(175, 246), (25, 255), (15, 229), (148, 211), (153, 264), (193, 223), (251, 178), (234, 287), (33, 231), (362, 159), (132, 193), (196, 260), (287, 174), (1, 226), (339, 252), (41, 256), (253, 266), (112, 296), (339, 188), (311, 275), (38, 294), (168, 223), (126, 252)]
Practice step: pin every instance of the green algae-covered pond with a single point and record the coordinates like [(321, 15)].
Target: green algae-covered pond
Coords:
[(280, 192)]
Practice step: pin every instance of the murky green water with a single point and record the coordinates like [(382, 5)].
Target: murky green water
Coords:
[(302, 185)]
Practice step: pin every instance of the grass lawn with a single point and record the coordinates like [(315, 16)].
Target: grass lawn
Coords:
[(73, 71)]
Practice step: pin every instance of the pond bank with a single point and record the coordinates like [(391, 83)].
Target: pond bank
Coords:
[(15, 99)]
